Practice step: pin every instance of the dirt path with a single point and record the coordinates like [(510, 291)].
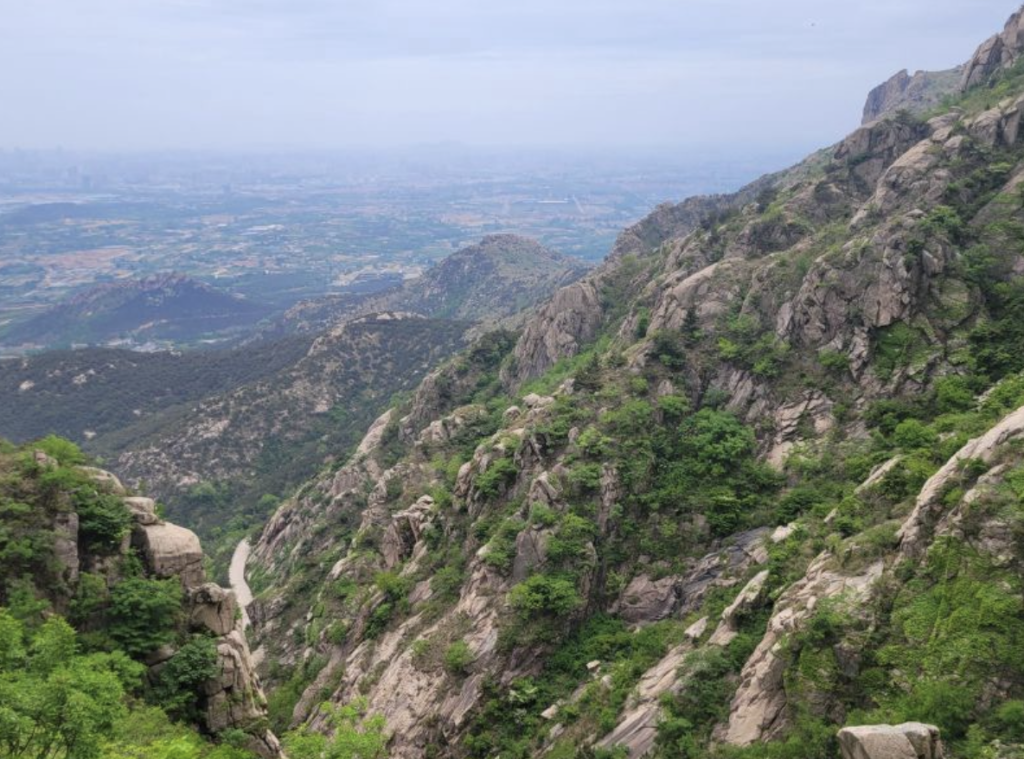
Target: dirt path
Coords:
[(236, 576)]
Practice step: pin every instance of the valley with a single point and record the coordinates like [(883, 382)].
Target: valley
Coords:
[(516, 461)]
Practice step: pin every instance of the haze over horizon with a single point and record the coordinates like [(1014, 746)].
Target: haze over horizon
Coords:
[(316, 74)]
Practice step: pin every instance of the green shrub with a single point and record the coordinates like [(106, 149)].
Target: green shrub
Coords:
[(674, 407), (1008, 721), (103, 520), (643, 323), (835, 363), (542, 515), (501, 549), (64, 451), (545, 595), (585, 477), (953, 394), (458, 658), (911, 434), (446, 583), (179, 684), (493, 481), (571, 540), (355, 735), (669, 348)]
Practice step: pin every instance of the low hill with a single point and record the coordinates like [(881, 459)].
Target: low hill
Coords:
[(167, 307), (82, 393)]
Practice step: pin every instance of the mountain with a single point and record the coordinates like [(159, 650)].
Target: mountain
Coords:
[(167, 307), (757, 478), (499, 277)]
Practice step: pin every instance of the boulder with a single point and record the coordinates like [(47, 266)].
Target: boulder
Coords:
[(759, 707), (915, 93), (375, 434), (873, 148), (171, 551), (697, 629), (531, 552), (234, 697), (212, 608), (645, 600), (998, 52), (747, 599), (911, 740), (916, 530), (143, 510), (104, 479), (557, 330)]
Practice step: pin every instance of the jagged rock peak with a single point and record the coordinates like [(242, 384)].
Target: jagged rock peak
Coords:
[(916, 93), (995, 54)]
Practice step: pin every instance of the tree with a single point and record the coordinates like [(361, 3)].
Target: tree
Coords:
[(144, 613), (181, 678), (53, 701), (356, 736)]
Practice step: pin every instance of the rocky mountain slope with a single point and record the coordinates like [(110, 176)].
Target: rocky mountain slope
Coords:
[(499, 277), (755, 478), (164, 307), (213, 460)]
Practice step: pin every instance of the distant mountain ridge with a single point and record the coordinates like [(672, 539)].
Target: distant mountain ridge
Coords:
[(498, 277), (163, 307)]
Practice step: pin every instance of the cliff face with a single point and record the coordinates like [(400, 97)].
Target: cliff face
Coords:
[(997, 53), (90, 540), (918, 93), (756, 477)]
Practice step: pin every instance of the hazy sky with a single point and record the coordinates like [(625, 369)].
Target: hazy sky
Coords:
[(138, 74)]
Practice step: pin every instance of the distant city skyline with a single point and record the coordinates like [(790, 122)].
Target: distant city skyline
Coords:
[(278, 75)]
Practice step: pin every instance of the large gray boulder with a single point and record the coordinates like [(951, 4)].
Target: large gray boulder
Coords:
[(143, 510), (171, 551), (404, 532), (911, 740)]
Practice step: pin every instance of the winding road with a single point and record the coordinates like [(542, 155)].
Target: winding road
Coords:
[(236, 577)]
